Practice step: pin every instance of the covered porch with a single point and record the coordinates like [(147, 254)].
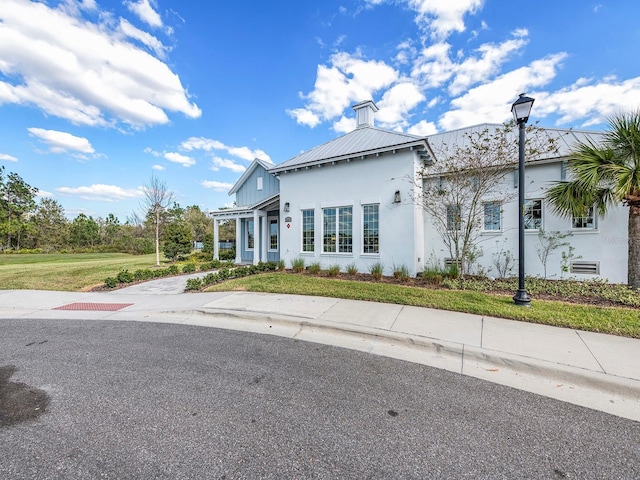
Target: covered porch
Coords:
[(257, 230)]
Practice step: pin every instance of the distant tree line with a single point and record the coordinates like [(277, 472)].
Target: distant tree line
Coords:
[(30, 225)]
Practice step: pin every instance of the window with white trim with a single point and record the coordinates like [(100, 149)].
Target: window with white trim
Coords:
[(533, 214), (249, 235), (492, 216), (337, 230), (371, 228), (586, 221), (453, 217), (308, 230), (273, 234), (259, 183)]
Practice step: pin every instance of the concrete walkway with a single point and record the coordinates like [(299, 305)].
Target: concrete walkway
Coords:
[(590, 369)]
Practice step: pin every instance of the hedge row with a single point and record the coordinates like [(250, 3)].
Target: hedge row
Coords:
[(228, 273), (125, 276)]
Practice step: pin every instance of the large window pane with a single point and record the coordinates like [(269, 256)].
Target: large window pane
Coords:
[(308, 231), (533, 214), (453, 217), (249, 234), (273, 234), (345, 230), (370, 229), (492, 216), (588, 220), (329, 230)]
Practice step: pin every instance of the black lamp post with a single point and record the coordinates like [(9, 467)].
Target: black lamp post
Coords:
[(521, 109)]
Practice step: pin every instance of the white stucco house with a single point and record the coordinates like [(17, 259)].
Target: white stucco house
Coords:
[(352, 201)]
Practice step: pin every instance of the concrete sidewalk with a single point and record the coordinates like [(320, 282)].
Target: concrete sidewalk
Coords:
[(593, 370)]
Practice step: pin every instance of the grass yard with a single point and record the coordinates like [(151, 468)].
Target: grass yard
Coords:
[(70, 272), (614, 320)]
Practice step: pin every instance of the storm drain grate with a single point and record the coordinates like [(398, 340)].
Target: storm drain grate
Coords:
[(98, 307)]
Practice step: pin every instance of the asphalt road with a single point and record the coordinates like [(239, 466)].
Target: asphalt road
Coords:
[(145, 400)]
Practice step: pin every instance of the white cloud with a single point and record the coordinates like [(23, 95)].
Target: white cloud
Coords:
[(217, 163), (491, 101), (44, 194), (145, 38), (217, 186), (102, 193), (397, 102), (348, 79), (208, 145), (62, 142), (7, 157), (587, 102), (442, 17), (145, 10), (158, 167), (82, 71), (183, 160), (423, 128)]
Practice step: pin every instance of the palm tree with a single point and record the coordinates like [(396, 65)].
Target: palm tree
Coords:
[(604, 175)]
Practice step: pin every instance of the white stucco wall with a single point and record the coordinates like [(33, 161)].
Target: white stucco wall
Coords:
[(359, 182), (607, 243)]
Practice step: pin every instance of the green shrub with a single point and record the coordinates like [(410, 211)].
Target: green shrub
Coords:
[(376, 270), (211, 278), (297, 265), (193, 284), (110, 282), (125, 276), (352, 268), (281, 265), (228, 254), (314, 268), (173, 270), (189, 268), (142, 274)]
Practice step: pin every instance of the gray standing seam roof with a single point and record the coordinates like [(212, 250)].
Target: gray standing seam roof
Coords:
[(361, 140), (566, 139)]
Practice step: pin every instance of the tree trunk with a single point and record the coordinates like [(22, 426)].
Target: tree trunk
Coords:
[(633, 268)]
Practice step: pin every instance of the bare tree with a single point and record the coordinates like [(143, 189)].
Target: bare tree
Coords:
[(469, 174), (157, 199)]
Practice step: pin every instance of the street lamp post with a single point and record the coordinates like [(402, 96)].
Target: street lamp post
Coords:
[(521, 109)]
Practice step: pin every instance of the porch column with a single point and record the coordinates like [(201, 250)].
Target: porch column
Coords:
[(216, 241), (264, 229), (256, 237), (238, 241)]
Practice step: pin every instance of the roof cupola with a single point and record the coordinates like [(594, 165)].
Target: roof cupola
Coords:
[(364, 113)]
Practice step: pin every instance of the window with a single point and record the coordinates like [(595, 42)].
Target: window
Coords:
[(259, 183), (249, 236), (337, 228), (273, 234), (533, 214), (370, 229), (492, 214), (308, 231), (453, 217), (588, 220)]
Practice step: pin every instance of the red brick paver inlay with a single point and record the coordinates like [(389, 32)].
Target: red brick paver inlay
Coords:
[(99, 307)]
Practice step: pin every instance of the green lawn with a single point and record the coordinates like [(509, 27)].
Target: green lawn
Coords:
[(617, 321), (67, 272)]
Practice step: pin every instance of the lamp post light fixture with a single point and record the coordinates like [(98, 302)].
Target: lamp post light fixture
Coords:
[(521, 109)]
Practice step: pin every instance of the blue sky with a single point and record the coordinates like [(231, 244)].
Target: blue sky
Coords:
[(96, 96)]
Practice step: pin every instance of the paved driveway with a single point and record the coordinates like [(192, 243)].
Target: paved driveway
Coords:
[(136, 400)]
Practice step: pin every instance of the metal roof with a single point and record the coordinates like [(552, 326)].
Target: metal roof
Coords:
[(566, 140), (361, 141)]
